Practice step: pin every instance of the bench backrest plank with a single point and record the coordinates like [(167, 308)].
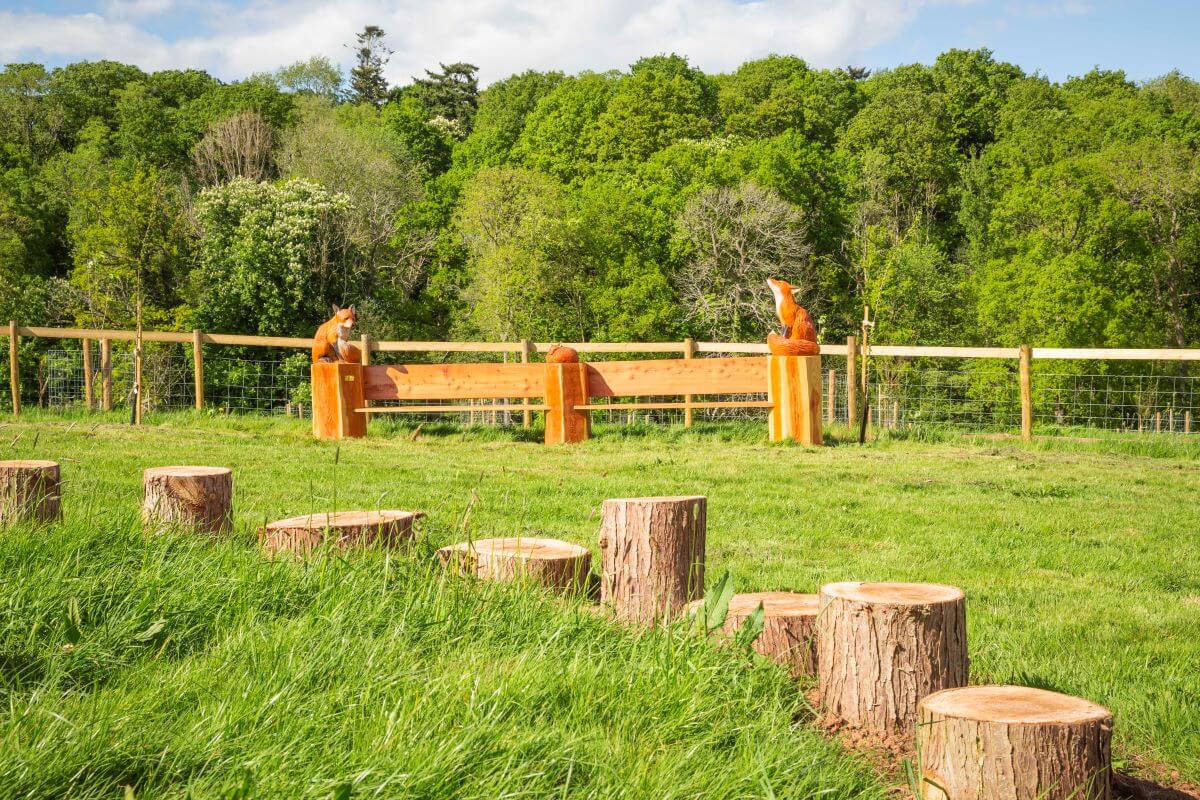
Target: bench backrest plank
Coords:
[(677, 376), (453, 381)]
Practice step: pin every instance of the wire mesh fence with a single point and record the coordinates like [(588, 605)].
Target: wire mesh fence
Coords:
[(968, 394)]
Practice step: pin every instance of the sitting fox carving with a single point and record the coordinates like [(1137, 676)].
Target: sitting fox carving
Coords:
[(799, 337), (332, 342)]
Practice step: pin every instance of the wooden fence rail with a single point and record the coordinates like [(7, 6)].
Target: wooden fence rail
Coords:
[(525, 350)]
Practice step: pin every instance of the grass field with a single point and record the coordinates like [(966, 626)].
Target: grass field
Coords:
[(182, 667)]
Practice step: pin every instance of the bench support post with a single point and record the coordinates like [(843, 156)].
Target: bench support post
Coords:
[(566, 387), (337, 390), (794, 391)]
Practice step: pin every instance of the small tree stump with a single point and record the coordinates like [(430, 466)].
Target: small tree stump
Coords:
[(197, 497), (881, 647), (344, 529), (789, 626), (1014, 743), (652, 552), (559, 565), (29, 490)]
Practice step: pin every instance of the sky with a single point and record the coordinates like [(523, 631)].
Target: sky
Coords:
[(232, 39)]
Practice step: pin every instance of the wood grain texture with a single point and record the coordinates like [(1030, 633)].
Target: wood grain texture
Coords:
[(558, 565), (794, 391), (789, 634), (29, 492), (197, 497), (883, 647), (342, 529), (566, 388), (676, 376), (652, 554), (1014, 743), (337, 394), (452, 381)]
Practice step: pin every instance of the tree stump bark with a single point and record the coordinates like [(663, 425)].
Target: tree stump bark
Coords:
[(652, 552), (558, 565), (1014, 743), (882, 647), (197, 497), (29, 491), (343, 529), (789, 635)]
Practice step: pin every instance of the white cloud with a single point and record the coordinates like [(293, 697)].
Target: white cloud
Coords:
[(501, 36)]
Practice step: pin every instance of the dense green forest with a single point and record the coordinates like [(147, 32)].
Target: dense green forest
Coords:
[(964, 202)]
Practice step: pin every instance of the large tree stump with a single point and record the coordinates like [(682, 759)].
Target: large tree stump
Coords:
[(197, 497), (881, 647), (559, 565), (1013, 743), (789, 634), (344, 529), (652, 552), (29, 490)]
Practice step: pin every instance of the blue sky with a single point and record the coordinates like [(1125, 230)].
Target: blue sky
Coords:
[(232, 39)]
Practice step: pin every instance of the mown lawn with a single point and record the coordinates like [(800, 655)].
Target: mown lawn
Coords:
[(186, 668)]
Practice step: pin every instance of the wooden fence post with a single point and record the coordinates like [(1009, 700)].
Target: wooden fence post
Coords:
[(1158, 422), (794, 391), (689, 352), (137, 382), (106, 382), (851, 371), (198, 367), (832, 397), (14, 368), (566, 387), (526, 355), (365, 345), (1026, 378), (1187, 421), (87, 373)]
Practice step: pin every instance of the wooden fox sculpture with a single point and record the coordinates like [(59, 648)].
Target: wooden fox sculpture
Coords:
[(799, 337), (332, 342)]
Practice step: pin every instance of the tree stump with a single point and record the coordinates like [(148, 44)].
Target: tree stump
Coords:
[(1014, 743), (29, 491), (882, 647), (558, 565), (197, 497), (343, 529), (652, 552), (789, 626)]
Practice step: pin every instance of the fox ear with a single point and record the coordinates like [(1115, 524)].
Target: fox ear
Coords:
[(336, 308), (351, 309), (795, 290)]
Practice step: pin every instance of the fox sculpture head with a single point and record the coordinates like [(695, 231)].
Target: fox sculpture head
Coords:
[(344, 319)]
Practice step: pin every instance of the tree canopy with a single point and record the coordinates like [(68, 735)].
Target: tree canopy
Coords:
[(965, 201)]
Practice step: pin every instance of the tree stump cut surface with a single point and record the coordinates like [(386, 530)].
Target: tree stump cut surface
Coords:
[(198, 497), (559, 565), (344, 529), (1014, 743), (789, 634), (882, 647), (652, 553), (29, 491)]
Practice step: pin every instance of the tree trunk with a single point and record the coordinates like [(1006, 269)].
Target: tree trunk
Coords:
[(652, 552), (342, 529), (197, 497), (789, 634), (881, 647), (559, 565), (29, 490), (1013, 743)]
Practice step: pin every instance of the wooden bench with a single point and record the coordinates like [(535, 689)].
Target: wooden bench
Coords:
[(341, 392)]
